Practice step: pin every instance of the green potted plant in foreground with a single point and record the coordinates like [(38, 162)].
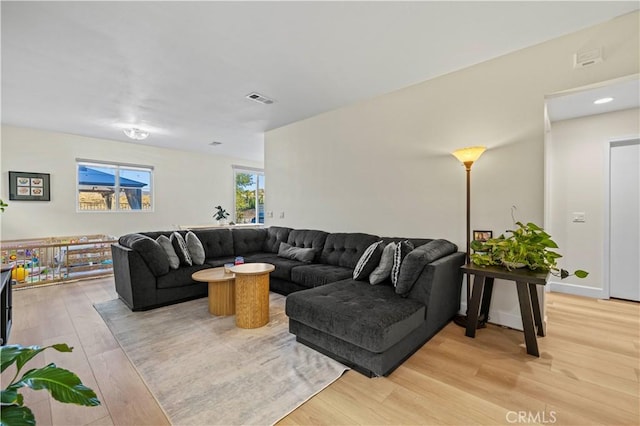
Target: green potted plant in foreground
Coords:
[(528, 246), (63, 385)]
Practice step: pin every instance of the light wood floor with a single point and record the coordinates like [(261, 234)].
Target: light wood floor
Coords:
[(588, 372)]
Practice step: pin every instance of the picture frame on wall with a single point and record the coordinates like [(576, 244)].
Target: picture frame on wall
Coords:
[(482, 236), (29, 186)]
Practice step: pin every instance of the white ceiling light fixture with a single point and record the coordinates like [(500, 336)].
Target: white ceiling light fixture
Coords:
[(603, 101), (136, 134)]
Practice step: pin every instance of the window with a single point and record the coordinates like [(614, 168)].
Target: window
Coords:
[(249, 195), (113, 187)]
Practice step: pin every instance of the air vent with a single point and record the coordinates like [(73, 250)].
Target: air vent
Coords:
[(587, 58), (215, 143), (257, 97)]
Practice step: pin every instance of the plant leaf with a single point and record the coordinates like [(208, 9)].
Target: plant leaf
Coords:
[(581, 274), (23, 354), (563, 274), (10, 396), (14, 415), (63, 385)]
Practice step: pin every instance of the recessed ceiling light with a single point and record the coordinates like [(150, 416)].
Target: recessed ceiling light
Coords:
[(136, 134), (602, 101)]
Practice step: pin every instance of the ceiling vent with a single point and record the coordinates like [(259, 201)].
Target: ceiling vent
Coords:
[(587, 58), (257, 97), (215, 143)]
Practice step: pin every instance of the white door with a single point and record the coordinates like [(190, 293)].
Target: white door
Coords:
[(624, 220)]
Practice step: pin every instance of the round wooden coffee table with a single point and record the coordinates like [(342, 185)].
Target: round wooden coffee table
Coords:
[(252, 294), (222, 299)]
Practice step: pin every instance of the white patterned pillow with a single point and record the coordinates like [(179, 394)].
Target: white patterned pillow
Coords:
[(402, 250), (180, 246), (196, 250), (368, 261)]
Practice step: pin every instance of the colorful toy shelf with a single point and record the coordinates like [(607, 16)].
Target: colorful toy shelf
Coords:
[(56, 259)]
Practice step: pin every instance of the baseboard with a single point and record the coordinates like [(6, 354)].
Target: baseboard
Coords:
[(577, 290)]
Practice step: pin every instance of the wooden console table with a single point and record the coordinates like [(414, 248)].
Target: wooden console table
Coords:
[(526, 282)]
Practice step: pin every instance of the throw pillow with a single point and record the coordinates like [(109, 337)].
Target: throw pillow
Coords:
[(418, 259), (180, 246), (296, 253), (196, 250), (151, 252), (165, 243), (402, 249), (383, 270), (368, 261)]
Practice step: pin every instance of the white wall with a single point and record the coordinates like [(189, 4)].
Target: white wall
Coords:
[(578, 156), (187, 185), (384, 166)]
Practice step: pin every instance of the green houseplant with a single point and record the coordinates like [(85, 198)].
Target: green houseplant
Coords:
[(63, 385), (220, 213), (528, 246), (3, 205)]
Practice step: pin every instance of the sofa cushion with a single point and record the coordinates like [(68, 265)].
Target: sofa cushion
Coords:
[(180, 277), (283, 266), (383, 270), (308, 238), (247, 241), (344, 249), (402, 250), (196, 250), (371, 317), (417, 259), (318, 274), (172, 257), (180, 246), (150, 251), (296, 253), (368, 261), (216, 242), (275, 235)]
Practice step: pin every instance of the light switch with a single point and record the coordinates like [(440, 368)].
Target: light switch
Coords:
[(578, 217), (270, 214), (281, 215)]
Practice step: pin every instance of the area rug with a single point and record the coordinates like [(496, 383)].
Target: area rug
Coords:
[(204, 371)]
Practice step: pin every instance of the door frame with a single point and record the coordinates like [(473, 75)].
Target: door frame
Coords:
[(606, 266)]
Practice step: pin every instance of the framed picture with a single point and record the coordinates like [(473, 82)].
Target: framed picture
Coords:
[(26, 186), (482, 235)]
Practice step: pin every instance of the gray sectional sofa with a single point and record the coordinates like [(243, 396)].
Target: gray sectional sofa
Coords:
[(371, 328)]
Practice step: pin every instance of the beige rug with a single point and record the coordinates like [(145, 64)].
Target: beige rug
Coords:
[(205, 371)]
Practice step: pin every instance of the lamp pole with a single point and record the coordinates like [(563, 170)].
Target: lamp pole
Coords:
[(467, 157)]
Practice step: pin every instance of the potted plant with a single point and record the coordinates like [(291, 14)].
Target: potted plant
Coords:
[(528, 246), (63, 385), (220, 215), (3, 205)]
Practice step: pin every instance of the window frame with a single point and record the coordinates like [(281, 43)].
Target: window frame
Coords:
[(118, 168)]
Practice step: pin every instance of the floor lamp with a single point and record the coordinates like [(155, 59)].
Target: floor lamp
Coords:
[(467, 156)]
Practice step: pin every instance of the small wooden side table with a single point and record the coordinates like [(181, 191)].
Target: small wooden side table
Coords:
[(252, 294), (222, 300), (526, 281)]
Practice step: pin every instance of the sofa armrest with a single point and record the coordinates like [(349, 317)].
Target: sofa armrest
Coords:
[(438, 287), (135, 283)]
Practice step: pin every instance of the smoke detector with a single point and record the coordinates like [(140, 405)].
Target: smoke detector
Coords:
[(257, 97)]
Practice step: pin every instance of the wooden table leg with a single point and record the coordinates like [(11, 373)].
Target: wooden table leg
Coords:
[(535, 304), (486, 300), (527, 318), (222, 299), (252, 300), (474, 307)]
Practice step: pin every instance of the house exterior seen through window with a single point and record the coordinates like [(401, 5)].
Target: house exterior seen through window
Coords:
[(113, 187)]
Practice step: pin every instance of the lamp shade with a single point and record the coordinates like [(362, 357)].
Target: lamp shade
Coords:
[(469, 154)]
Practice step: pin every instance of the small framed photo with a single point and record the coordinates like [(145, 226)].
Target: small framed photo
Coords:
[(28, 186), (482, 236)]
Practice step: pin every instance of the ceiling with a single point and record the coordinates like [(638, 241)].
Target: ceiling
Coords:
[(579, 103), (181, 70)]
